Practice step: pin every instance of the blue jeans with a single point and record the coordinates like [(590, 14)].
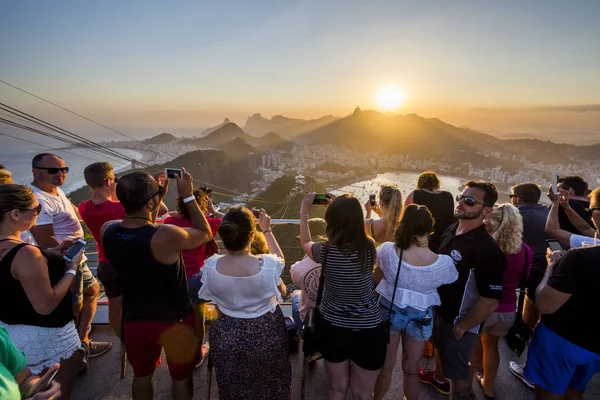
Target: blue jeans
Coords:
[(418, 325), (295, 312), (194, 284)]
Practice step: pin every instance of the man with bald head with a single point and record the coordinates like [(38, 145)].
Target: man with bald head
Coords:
[(147, 259), (59, 221)]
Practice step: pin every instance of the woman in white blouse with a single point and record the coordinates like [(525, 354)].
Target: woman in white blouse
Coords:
[(420, 274), (248, 342)]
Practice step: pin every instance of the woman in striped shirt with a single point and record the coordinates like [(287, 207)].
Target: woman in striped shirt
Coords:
[(353, 339)]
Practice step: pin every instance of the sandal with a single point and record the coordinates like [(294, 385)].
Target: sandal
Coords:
[(204, 350), (479, 379)]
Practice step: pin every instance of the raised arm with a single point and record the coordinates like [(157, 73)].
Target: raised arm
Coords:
[(305, 237), (170, 240), (579, 223), (552, 224), (264, 221)]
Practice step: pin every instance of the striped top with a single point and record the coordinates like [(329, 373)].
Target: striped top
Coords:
[(348, 297)]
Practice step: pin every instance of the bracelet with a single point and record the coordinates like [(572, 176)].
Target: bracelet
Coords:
[(267, 231), (71, 271), (188, 199)]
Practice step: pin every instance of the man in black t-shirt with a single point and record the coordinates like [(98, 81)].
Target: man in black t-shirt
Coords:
[(577, 188), (564, 353), (468, 302)]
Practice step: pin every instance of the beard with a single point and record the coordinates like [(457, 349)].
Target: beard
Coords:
[(468, 215)]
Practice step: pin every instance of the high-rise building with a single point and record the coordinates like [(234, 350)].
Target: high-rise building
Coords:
[(264, 160), (252, 161)]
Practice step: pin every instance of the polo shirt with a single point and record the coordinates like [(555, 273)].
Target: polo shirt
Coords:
[(480, 264)]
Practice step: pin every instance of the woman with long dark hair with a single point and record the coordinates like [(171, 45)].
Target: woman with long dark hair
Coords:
[(249, 342), (389, 209), (415, 278), (353, 338), (35, 291)]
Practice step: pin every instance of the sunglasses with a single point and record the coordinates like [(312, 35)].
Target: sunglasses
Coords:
[(468, 200), (54, 171), (115, 179), (512, 196), (37, 209), (161, 190)]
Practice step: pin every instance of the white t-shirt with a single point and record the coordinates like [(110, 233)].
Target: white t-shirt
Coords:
[(576, 241), (243, 296), (59, 212), (417, 285), (306, 275)]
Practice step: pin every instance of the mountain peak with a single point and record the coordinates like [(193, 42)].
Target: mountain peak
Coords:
[(226, 121), (163, 138), (357, 110)]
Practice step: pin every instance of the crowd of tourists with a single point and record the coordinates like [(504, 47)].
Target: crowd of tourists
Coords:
[(459, 275)]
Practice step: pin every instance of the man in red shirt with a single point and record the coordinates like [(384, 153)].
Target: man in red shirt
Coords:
[(101, 208)]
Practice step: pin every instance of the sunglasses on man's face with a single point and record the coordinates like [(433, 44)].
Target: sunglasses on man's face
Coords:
[(512, 196), (54, 171), (468, 200), (161, 190)]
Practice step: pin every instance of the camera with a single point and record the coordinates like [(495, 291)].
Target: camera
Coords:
[(171, 172), (256, 213)]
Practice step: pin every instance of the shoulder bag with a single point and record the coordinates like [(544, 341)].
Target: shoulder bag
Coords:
[(310, 330), (519, 333), (387, 324)]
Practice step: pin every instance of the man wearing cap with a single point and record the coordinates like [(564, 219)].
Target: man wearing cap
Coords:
[(306, 274)]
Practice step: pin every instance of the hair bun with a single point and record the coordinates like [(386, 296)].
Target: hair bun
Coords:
[(228, 230)]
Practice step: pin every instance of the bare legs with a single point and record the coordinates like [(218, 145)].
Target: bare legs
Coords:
[(347, 375), (384, 380), (487, 356), (411, 354), (84, 320)]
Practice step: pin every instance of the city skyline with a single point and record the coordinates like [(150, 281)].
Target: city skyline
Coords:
[(505, 67)]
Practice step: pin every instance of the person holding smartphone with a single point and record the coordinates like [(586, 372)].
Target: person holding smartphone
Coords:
[(35, 291), (17, 381)]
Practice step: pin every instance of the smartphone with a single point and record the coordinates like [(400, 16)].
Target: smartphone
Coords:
[(322, 199), (171, 172), (256, 213), (554, 244), (372, 199), (79, 244), (555, 183), (43, 383)]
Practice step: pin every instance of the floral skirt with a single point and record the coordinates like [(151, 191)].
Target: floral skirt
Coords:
[(250, 357)]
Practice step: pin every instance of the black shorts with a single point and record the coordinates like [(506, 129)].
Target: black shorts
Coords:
[(365, 347), (110, 280), (535, 278)]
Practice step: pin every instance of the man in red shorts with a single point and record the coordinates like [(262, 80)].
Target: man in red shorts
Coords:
[(147, 260)]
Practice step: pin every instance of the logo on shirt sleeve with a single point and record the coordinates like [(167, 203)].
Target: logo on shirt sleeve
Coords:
[(456, 256)]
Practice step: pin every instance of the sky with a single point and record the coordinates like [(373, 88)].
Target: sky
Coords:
[(147, 65)]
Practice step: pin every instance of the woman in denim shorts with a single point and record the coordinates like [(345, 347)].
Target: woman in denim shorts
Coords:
[(415, 279)]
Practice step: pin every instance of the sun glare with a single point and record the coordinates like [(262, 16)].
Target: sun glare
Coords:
[(390, 97)]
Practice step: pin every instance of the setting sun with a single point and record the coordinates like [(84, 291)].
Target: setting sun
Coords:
[(390, 97)]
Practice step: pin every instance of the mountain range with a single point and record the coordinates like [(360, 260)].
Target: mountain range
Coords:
[(285, 127)]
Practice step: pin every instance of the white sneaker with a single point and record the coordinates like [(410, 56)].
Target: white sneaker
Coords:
[(517, 370)]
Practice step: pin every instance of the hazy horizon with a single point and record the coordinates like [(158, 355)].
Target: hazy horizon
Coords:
[(158, 66)]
